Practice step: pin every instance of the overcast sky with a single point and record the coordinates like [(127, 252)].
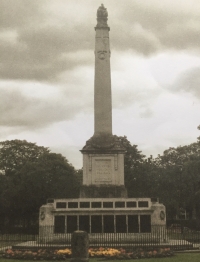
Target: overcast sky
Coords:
[(47, 72)]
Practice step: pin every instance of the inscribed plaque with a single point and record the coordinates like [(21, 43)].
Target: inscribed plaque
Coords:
[(103, 170)]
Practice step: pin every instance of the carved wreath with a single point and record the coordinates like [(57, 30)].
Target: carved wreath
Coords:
[(42, 215), (162, 215)]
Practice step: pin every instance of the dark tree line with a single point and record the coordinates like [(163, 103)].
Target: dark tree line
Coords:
[(172, 177), (31, 174)]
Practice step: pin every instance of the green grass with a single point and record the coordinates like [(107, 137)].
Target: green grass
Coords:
[(184, 257)]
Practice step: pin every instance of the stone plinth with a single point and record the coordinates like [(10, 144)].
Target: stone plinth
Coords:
[(106, 216), (103, 167)]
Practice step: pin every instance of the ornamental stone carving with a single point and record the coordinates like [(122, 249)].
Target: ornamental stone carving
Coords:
[(102, 16), (102, 54)]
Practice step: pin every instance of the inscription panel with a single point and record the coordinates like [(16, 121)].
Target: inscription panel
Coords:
[(103, 170)]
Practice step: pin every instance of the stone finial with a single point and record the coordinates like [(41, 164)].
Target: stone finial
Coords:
[(102, 16)]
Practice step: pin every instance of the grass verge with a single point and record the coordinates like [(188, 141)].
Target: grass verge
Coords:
[(186, 257)]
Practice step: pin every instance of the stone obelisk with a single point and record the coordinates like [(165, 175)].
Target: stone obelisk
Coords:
[(102, 83), (103, 154)]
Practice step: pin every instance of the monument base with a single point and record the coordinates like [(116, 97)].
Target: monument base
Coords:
[(103, 191), (106, 220)]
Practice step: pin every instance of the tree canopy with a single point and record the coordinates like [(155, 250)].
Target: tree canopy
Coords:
[(32, 175), (14, 154), (172, 177)]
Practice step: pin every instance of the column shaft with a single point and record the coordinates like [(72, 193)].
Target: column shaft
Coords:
[(102, 85)]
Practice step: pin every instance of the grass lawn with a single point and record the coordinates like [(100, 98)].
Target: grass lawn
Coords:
[(184, 257)]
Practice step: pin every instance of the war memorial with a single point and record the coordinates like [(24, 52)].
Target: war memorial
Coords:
[(103, 207)]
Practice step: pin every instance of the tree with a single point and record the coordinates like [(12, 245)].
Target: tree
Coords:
[(173, 176), (180, 173), (31, 178), (141, 174), (133, 165), (14, 154)]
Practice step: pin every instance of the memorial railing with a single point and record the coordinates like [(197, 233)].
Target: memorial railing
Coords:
[(159, 237)]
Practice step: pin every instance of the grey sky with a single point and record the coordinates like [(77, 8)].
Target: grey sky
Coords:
[(47, 72)]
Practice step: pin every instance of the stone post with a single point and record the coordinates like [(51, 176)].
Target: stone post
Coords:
[(80, 246)]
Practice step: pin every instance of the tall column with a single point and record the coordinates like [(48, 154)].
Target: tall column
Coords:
[(102, 85)]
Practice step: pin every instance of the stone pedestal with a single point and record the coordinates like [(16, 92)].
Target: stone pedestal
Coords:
[(103, 167)]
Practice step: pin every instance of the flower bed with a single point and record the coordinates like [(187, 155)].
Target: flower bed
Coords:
[(41, 254), (111, 253), (103, 253)]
